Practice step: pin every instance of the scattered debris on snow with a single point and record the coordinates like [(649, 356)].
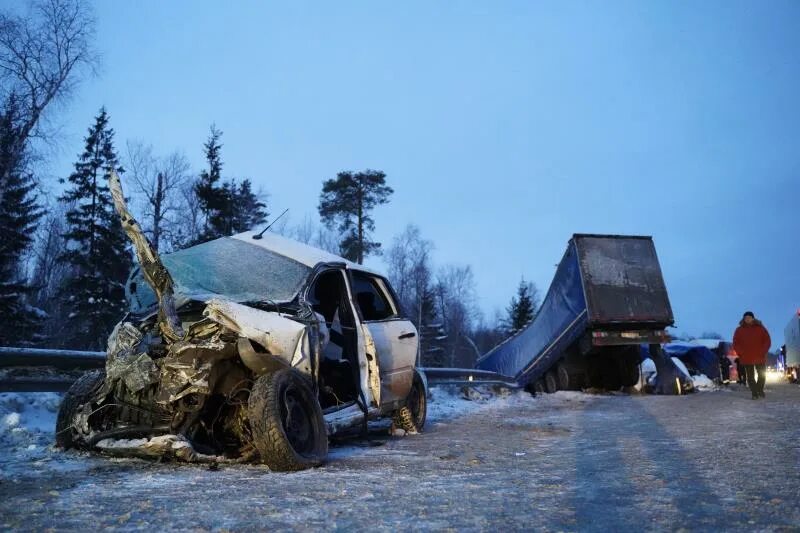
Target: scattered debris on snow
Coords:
[(648, 375), (166, 446)]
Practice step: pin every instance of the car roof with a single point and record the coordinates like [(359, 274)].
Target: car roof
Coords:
[(298, 251)]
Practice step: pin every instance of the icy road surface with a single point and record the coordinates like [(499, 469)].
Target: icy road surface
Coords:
[(569, 461)]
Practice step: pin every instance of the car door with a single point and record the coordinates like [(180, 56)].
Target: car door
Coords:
[(394, 336)]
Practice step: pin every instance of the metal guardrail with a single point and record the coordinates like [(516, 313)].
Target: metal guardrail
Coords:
[(44, 370), (467, 376), (36, 384), (11, 357), (61, 359)]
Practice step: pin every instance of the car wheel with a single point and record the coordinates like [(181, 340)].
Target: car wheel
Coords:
[(550, 382), (286, 422), (411, 417), (78, 395)]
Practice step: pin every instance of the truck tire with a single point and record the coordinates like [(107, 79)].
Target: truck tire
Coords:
[(286, 422), (538, 386), (612, 377), (551, 381), (565, 380), (78, 395), (629, 368), (604, 373)]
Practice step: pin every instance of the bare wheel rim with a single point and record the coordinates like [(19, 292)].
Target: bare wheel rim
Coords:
[(296, 420)]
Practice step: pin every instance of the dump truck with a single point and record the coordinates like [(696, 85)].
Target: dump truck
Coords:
[(607, 298)]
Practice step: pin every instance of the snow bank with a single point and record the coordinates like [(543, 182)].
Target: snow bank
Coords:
[(448, 401), (451, 401), (27, 420), (703, 382)]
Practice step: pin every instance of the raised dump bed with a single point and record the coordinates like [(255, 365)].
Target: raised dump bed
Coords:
[(607, 297)]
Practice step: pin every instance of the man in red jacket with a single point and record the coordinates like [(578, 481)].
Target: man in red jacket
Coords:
[(751, 342)]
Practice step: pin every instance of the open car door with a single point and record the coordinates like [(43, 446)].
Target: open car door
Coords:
[(394, 336)]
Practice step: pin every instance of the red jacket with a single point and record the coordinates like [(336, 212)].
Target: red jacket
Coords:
[(751, 343)]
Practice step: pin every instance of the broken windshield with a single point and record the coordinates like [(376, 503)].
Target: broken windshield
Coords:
[(225, 267)]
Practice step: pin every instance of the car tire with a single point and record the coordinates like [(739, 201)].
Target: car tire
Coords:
[(286, 422), (75, 398), (550, 382), (411, 417)]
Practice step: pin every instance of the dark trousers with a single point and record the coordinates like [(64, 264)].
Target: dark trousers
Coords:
[(756, 387)]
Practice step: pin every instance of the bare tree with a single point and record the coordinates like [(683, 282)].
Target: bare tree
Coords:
[(489, 332), (408, 261), (303, 231), (43, 55), (190, 221), (327, 239), (310, 232), (48, 273), (456, 303), (160, 182)]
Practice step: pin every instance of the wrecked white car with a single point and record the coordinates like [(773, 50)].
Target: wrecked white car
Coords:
[(247, 348)]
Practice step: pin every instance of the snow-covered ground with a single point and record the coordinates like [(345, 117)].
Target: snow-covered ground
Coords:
[(565, 461), (27, 421)]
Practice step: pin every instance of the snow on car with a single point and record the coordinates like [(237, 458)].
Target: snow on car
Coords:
[(250, 347)]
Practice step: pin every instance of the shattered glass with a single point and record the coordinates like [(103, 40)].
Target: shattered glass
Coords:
[(227, 267)]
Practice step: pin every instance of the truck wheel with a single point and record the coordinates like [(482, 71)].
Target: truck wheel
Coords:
[(565, 382), (629, 370), (550, 382), (78, 395), (538, 386), (286, 421)]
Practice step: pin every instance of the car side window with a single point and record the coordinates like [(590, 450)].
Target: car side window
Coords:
[(372, 299)]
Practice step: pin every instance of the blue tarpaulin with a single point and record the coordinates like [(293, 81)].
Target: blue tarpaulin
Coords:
[(561, 319), (693, 356)]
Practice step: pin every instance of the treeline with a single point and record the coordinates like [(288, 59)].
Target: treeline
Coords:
[(64, 259), (63, 282), (442, 303)]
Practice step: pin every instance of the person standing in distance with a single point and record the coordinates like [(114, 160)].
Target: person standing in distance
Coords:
[(751, 341)]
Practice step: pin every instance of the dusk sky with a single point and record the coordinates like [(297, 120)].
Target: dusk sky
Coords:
[(504, 127)]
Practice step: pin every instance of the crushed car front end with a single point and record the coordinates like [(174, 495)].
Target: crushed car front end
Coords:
[(217, 360)]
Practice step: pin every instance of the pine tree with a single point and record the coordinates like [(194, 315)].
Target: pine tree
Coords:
[(249, 211), (348, 200), (210, 193), (97, 253), (522, 308), (19, 214), (228, 208)]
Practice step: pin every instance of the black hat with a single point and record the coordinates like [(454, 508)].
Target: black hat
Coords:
[(748, 313)]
